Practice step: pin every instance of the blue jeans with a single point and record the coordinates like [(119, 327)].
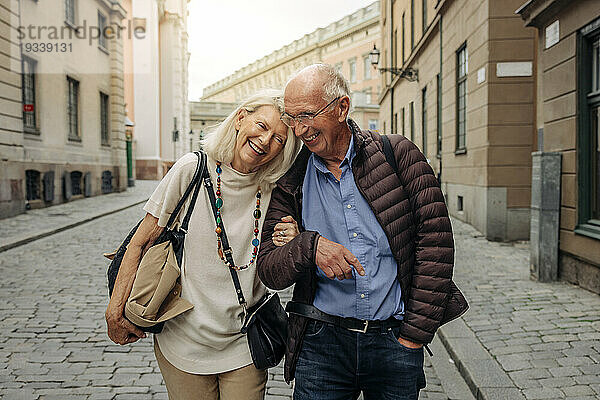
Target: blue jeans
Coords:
[(337, 364)]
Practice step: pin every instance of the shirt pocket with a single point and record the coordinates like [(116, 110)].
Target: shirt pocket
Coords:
[(383, 247)]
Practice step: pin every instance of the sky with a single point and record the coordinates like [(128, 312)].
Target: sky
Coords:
[(226, 35)]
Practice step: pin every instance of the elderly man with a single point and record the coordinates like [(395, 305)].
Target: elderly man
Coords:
[(372, 262)]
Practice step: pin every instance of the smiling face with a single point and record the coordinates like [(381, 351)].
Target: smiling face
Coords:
[(328, 136), (261, 136)]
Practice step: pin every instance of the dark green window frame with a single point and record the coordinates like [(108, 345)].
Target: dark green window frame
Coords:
[(403, 121), (462, 62), (412, 24), (588, 146), (104, 115), (73, 109), (439, 115), (403, 36), (425, 25), (28, 85), (102, 26), (395, 48)]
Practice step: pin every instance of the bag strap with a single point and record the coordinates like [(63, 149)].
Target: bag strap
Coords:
[(224, 242), (196, 182), (389, 154), (187, 192)]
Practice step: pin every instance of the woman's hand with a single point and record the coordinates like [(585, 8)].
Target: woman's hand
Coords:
[(120, 330), (285, 231)]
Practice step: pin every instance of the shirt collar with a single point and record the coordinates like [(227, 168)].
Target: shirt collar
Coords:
[(350, 153)]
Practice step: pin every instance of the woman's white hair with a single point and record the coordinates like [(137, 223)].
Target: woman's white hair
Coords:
[(219, 144)]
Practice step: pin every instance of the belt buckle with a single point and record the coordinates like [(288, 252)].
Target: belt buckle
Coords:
[(363, 330)]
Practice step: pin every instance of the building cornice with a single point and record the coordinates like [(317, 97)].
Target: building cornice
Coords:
[(537, 12), (116, 9), (315, 40)]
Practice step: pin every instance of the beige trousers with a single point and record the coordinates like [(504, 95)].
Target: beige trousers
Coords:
[(246, 383)]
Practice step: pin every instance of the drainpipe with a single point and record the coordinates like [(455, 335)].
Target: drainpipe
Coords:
[(440, 108), (392, 124)]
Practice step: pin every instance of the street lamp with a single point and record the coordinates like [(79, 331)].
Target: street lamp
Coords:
[(409, 74)]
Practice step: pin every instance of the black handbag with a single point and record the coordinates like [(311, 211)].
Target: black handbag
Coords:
[(175, 236), (265, 323)]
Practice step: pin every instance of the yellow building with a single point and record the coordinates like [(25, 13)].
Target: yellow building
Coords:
[(345, 43), (568, 124), (471, 110)]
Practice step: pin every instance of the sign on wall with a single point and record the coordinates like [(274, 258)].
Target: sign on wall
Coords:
[(552, 34)]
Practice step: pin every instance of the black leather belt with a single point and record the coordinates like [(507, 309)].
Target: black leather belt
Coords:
[(352, 324)]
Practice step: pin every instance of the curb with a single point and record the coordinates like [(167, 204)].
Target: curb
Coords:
[(482, 373), (40, 235)]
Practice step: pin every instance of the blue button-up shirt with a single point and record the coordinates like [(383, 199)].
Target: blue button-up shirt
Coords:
[(338, 211)]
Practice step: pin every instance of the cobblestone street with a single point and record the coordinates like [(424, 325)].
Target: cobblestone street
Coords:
[(53, 343), (520, 340)]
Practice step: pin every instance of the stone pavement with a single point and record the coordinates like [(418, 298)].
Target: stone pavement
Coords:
[(35, 224), (53, 343), (520, 339)]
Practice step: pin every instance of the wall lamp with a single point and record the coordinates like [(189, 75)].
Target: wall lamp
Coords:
[(409, 74)]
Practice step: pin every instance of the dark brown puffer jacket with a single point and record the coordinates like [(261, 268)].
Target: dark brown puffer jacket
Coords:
[(414, 217)]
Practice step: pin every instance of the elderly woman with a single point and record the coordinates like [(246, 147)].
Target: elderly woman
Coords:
[(201, 353)]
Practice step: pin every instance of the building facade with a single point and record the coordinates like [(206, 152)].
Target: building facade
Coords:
[(568, 125), (345, 44), (470, 108), (160, 64), (62, 130), (205, 115), (12, 182)]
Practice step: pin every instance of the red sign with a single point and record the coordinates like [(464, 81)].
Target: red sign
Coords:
[(28, 107)]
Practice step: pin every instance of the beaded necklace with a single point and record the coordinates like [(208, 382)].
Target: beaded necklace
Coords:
[(218, 230)]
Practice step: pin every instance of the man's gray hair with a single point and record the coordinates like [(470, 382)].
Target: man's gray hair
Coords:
[(336, 85)]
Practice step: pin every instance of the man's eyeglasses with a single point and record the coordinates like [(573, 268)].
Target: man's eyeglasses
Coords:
[(305, 118)]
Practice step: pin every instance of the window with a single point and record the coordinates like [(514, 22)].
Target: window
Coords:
[(403, 121), (395, 48), (395, 124), (352, 64), (70, 11), (459, 203), (367, 67), (32, 183), (28, 92), (102, 27), (403, 34), (76, 183), (412, 24), (424, 5), (439, 115), (412, 121), (338, 67), (104, 107), (424, 120), (373, 124), (73, 109), (462, 69), (588, 140)]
